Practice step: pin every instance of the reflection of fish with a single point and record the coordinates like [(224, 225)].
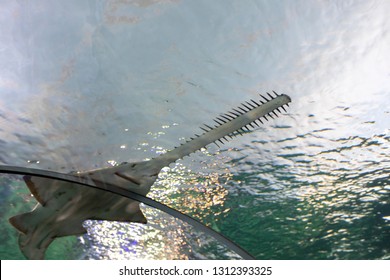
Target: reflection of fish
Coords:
[(63, 206)]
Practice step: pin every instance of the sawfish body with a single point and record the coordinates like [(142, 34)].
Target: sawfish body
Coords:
[(64, 206)]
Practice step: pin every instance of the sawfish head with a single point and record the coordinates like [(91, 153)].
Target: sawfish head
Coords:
[(64, 206), (137, 177)]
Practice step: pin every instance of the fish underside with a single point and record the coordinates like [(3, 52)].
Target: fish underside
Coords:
[(63, 206)]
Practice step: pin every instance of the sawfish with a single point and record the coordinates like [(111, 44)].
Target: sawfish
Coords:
[(64, 206)]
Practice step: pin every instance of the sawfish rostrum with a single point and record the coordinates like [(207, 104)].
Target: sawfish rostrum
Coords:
[(63, 206)]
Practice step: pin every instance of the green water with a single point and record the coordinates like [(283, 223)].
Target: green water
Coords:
[(345, 218), (294, 229)]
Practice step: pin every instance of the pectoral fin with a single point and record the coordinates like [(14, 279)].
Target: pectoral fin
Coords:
[(41, 190), (20, 222)]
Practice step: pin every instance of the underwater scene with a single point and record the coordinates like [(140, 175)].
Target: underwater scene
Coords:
[(91, 85)]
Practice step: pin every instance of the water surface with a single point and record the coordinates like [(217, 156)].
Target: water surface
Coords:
[(86, 84)]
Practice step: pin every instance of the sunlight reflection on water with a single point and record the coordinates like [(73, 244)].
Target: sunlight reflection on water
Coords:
[(135, 78)]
